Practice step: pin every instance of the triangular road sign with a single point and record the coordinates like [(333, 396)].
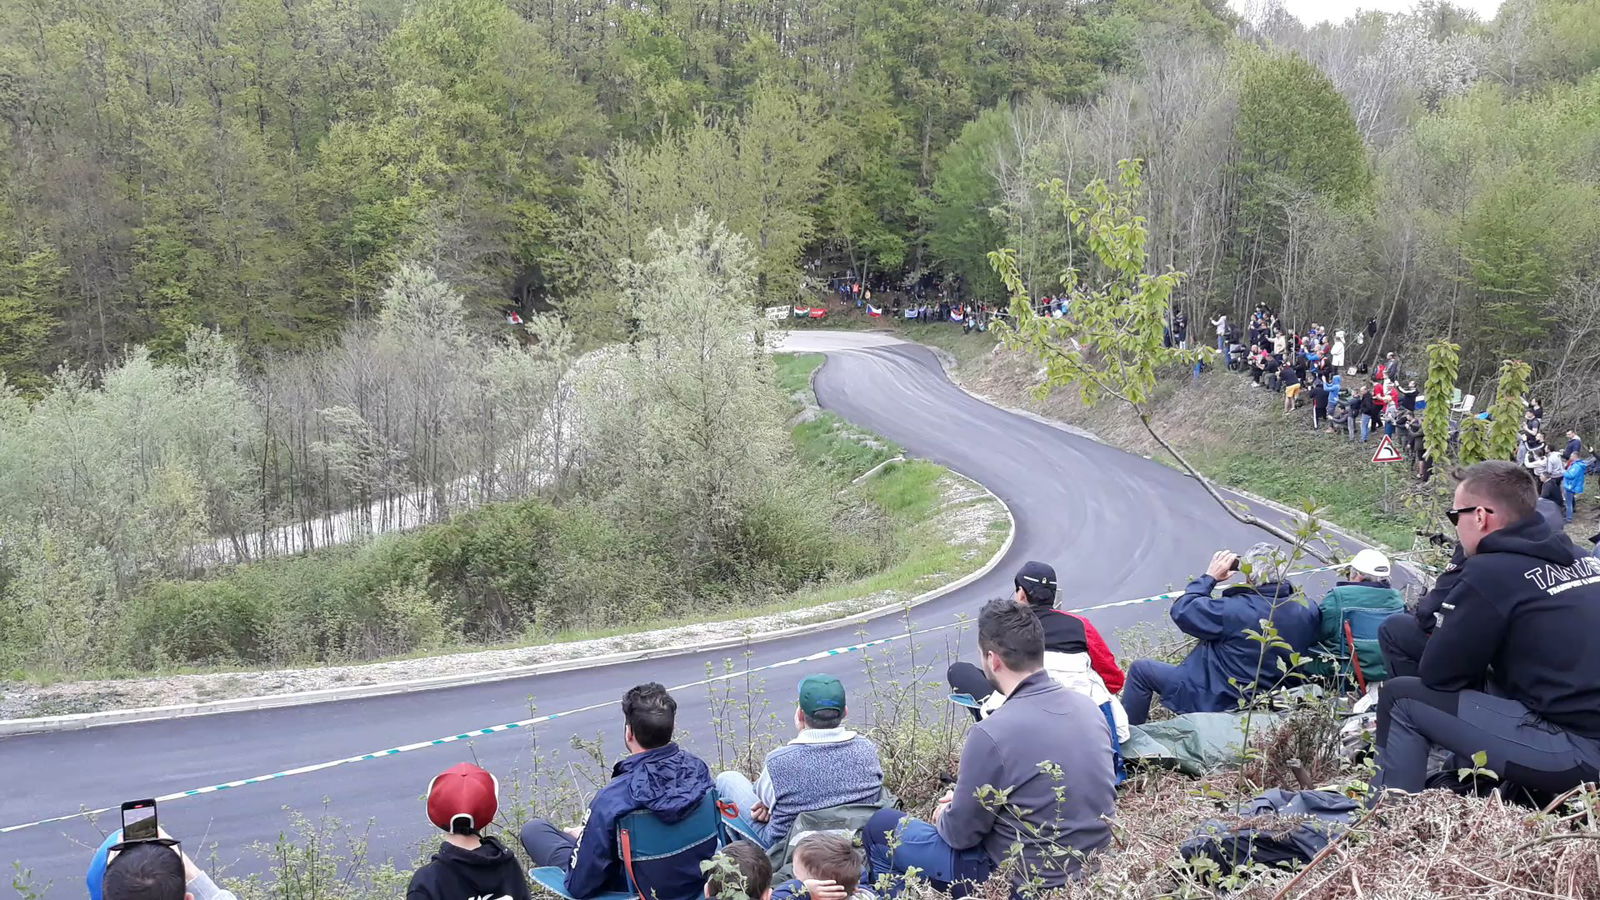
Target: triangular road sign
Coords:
[(1387, 452)]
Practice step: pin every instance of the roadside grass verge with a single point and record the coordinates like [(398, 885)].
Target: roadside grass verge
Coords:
[(1236, 434)]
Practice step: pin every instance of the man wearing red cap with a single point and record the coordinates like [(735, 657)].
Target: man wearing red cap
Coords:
[(461, 801)]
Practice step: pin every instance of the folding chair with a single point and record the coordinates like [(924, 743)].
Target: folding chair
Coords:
[(647, 847)]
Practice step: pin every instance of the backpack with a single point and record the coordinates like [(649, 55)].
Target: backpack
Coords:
[(847, 820)]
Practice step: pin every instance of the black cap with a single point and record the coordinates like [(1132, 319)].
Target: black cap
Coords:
[(1038, 581)]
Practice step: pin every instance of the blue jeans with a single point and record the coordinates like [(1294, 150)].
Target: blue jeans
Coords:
[(1570, 500), (896, 843), (733, 787), (1146, 676), (1222, 344), (1366, 427)]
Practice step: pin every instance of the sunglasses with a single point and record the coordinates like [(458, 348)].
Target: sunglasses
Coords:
[(1454, 515)]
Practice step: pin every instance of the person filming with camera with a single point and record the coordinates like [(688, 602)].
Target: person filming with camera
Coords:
[(1227, 665)]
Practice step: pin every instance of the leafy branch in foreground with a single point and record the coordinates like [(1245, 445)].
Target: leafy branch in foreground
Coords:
[(1111, 344)]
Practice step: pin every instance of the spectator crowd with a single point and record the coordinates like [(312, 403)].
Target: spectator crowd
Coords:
[(1321, 373)]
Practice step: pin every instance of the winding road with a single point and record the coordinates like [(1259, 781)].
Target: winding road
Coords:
[(1115, 526)]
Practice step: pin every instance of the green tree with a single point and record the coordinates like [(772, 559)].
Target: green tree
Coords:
[(1111, 346), (1297, 143), (28, 283), (962, 212)]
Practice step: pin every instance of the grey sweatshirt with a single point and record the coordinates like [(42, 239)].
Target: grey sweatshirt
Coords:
[(1041, 726)]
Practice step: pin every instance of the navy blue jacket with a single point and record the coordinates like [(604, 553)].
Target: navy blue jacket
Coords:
[(669, 782), (1225, 658)]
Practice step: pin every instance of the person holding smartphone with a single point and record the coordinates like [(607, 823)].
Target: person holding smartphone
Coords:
[(1227, 665), (140, 861)]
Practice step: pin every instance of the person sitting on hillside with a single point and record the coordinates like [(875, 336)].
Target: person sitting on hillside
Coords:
[(753, 880), (462, 800), (1227, 665), (1365, 587), (826, 765), (1076, 656), (1510, 670), (155, 869), (1046, 750), (826, 867), (657, 775)]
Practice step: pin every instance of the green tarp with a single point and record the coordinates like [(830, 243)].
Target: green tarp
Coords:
[(1195, 743)]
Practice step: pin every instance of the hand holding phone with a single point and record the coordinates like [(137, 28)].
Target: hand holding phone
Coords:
[(139, 821), (1223, 564)]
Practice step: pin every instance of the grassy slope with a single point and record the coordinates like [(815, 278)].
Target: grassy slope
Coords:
[(1235, 433)]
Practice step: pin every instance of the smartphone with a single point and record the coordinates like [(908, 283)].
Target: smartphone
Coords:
[(139, 821)]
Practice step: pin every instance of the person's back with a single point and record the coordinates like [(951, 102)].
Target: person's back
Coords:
[(455, 873), (821, 773), (1366, 592), (1225, 658), (461, 802), (657, 776), (1042, 727)]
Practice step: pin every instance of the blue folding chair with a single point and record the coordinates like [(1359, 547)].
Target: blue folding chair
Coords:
[(647, 846)]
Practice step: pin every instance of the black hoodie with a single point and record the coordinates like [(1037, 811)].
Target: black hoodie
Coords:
[(1524, 616), (490, 872)]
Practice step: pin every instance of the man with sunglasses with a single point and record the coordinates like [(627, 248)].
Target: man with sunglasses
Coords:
[(1512, 669)]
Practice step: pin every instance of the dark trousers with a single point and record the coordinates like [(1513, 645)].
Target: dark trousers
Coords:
[(1516, 744), (548, 845), (1402, 641), (966, 678), (1145, 678)]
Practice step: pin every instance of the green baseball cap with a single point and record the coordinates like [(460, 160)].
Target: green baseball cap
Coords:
[(819, 692)]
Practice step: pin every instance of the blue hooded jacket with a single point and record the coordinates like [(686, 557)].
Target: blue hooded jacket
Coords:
[(1225, 652), (669, 782), (1575, 476)]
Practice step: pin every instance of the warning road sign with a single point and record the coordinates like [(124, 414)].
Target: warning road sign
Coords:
[(1387, 452)]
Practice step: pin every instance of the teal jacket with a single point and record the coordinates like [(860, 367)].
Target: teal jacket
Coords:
[(1348, 595)]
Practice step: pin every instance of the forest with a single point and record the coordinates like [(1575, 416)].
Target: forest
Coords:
[(265, 264)]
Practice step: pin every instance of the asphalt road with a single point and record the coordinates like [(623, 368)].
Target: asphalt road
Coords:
[(1116, 526)]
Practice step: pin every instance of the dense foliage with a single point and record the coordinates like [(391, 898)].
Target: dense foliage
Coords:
[(262, 166)]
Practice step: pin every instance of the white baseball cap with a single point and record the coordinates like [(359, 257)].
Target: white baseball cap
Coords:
[(1371, 562)]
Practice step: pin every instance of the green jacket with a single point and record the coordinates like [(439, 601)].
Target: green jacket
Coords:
[(1335, 606)]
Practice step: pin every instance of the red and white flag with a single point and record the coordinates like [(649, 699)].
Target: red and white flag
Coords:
[(819, 312), (513, 318)]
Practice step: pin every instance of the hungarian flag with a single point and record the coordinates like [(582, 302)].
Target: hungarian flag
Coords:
[(956, 315), (512, 318), (819, 312), (874, 312), (801, 312)]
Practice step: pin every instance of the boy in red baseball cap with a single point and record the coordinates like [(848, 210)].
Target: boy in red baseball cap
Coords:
[(461, 802)]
